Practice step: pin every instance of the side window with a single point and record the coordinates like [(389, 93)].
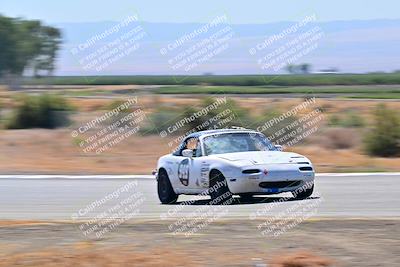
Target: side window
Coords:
[(194, 144), (198, 150), (191, 143)]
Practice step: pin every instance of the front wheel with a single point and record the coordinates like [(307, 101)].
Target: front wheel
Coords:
[(219, 190), (165, 191), (305, 193)]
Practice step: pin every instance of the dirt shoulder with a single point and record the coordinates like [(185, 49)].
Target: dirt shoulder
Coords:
[(222, 243)]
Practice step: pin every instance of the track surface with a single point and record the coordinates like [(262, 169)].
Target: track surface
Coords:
[(348, 196)]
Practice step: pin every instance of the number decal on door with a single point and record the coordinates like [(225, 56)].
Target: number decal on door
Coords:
[(183, 172)]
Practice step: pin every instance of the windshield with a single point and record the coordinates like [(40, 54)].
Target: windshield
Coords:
[(236, 142)]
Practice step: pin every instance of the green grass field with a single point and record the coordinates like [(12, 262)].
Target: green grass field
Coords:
[(345, 91), (367, 86), (223, 80)]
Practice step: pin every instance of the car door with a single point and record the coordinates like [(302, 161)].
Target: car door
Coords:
[(196, 169), (188, 170)]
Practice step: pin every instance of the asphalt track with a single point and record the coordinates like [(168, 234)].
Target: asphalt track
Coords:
[(61, 197)]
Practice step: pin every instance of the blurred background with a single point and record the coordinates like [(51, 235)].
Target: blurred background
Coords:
[(59, 72), (100, 87)]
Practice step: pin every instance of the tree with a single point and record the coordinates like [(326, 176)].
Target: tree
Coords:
[(305, 68), (291, 68), (51, 40), (8, 51), (27, 45), (299, 69)]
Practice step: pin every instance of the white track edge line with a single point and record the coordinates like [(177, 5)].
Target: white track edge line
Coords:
[(105, 176)]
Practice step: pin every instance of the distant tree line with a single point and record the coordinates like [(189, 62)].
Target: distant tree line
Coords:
[(299, 69), (27, 45)]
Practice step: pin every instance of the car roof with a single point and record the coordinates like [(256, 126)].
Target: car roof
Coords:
[(220, 131), (211, 132)]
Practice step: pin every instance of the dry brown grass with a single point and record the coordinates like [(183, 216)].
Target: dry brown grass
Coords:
[(301, 259), (91, 255), (99, 257), (256, 105), (345, 160), (55, 151), (8, 223), (339, 138)]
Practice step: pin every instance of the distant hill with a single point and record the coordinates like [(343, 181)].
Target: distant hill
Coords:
[(350, 46)]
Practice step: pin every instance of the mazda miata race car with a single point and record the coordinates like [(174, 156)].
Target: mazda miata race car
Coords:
[(227, 162)]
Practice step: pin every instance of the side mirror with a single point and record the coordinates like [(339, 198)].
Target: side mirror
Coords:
[(187, 153), (279, 147)]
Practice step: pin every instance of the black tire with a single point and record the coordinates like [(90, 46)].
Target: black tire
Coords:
[(247, 197), (165, 191), (304, 193), (219, 190)]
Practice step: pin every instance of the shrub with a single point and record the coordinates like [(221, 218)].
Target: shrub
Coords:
[(348, 120), (340, 138), (384, 137), (124, 108), (1, 106), (353, 120), (117, 104), (43, 111), (278, 130), (160, 120), (226, 115), (169, 119), (334, 120)]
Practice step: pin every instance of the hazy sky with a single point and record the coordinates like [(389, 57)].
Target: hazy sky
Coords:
[(350, 47), (256, 11)]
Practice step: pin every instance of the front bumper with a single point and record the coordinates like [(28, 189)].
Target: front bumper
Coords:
[(272, 179)]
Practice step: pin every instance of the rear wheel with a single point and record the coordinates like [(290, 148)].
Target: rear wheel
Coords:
[(304, 193), (165, 191), (219, 190)]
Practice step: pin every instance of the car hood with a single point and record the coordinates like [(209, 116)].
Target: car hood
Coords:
[(262, 157)]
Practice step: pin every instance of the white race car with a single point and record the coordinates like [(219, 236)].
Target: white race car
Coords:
[(227, 162)]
